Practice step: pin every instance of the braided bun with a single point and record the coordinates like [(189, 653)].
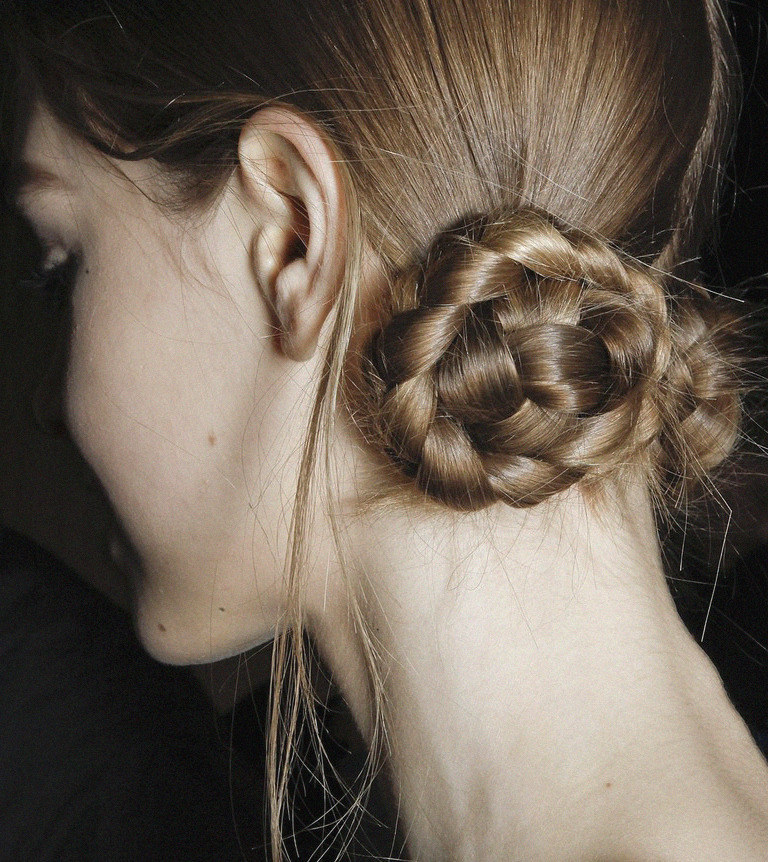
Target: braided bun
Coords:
[(520, 358), (702, 392)]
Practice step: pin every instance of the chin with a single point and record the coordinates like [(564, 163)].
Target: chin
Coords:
[(190, 638)]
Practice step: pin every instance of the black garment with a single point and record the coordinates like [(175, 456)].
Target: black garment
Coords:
[(105, 755)]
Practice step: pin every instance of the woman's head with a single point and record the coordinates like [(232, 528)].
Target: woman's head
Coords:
[(499, 202), (485, 214), (608, 117), (524, 178)]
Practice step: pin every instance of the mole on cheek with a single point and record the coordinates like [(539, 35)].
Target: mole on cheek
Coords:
[(212, 439), (161, 627)]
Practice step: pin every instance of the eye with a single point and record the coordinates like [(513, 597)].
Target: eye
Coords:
[(56, 280)]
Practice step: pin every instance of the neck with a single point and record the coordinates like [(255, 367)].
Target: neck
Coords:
[(542, 699)]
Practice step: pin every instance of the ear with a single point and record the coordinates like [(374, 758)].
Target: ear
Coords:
[(289, 176)]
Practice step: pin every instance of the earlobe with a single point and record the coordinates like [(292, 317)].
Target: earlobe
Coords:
[(291, 182)]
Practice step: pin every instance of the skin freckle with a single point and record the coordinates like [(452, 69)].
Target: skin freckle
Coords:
[(211, 439), (161, 627)]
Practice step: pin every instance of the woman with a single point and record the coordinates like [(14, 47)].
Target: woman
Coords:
[(385, 328)]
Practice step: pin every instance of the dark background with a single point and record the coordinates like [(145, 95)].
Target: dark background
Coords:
[(736, 630)]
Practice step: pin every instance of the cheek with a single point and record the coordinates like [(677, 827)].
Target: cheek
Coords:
[(142, 404), (170, 401)]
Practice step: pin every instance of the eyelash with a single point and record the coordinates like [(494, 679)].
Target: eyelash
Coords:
[(55, 281)]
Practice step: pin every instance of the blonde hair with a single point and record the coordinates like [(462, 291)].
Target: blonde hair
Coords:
[(536, 178)]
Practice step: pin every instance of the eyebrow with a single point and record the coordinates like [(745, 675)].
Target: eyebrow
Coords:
[(28, 177)]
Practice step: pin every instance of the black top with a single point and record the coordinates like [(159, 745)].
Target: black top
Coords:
[(109, 756), (104, 754)]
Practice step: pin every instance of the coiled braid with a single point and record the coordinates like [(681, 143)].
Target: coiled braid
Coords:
[(521, 358)]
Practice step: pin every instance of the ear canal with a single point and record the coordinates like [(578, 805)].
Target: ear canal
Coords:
[(299, 242)]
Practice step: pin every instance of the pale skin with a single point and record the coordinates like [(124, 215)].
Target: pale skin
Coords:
[(543, 700)]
